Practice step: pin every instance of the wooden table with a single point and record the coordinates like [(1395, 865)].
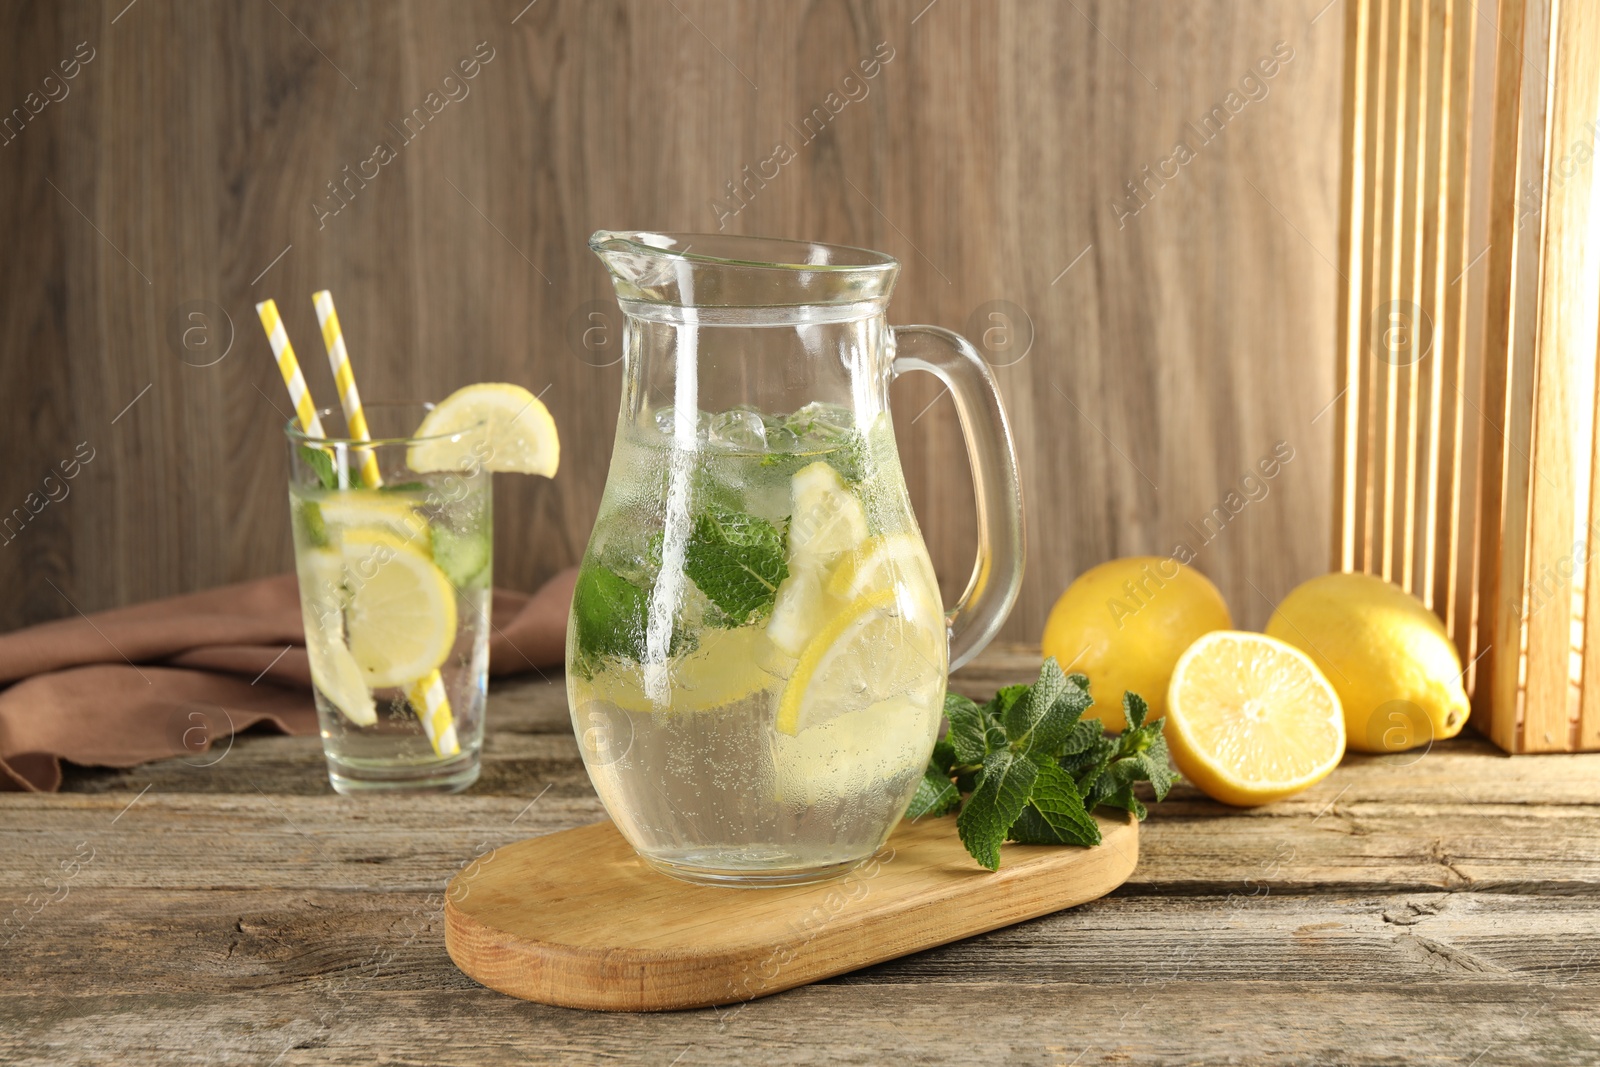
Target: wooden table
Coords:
[(1437, 908)]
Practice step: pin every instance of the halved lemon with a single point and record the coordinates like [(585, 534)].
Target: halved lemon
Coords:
[(497, 426), (876, 648), (828, 519), (723, 669), (1251, 720), (401, 618), (366, 509)]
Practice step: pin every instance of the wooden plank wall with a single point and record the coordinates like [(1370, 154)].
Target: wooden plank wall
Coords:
[(1181, 317)]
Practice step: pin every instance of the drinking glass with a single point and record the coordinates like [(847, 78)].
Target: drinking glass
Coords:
[(395, 583)]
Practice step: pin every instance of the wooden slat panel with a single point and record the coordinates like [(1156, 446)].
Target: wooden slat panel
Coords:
[(1361, 408), (1563, 373), (1349, 324), (1452, 580), (1423, 474), (1507, 377), (1588, 725), (1378, 377), (1408, 294)]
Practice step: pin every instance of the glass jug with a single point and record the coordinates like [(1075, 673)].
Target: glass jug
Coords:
[(757, 653)]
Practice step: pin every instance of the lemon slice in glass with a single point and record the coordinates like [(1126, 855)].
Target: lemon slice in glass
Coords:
[(401, 618), (827, 519), (876, 648), (1251, 719), (721, 670), (335, 671), (497, 426), (365, 509)]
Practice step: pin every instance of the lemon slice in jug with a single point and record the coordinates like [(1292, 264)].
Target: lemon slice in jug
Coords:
[(870, 651)]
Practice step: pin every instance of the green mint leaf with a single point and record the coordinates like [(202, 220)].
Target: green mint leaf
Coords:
[(1134, 709), (308, 517), (996, 736), (738, 561), (464, 558), (1000, 795), (321, 464), (849, 458), (944, 757), (1157, 767), (1020, 716), (1124, 800), (1147, 762), (1088, 767), (609, 613), (969, 728), (1085, 732), (1043, 719), (1003, 700), (936, 795), (1055, 814)]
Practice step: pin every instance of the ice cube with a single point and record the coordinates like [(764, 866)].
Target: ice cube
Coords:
[(666, 420), (743, 430)]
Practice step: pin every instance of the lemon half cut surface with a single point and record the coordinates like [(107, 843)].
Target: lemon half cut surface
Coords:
[(499, 426), (1251, 719), (401, 617)]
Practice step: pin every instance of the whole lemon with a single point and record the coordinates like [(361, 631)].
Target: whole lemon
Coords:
[(1387, 656), (1126, 622)]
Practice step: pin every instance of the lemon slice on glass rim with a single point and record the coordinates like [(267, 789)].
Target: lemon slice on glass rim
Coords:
[(495, 425)]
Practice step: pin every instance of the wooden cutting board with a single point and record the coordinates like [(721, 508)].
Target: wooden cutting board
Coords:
[(576, 918)]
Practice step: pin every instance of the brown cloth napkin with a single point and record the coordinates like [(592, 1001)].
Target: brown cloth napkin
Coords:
[(169, 677)]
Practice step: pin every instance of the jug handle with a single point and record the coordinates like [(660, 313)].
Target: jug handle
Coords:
[(997, 574)]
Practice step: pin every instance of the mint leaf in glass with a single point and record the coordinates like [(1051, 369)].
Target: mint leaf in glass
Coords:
[(738, 561), (321, 464), (609, 613)]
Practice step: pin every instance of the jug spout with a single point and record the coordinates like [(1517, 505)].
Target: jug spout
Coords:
[(718, 270)]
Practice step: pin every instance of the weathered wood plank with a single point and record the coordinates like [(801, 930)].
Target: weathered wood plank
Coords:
[(1048, 1024), (1316, 843), (110, 941)]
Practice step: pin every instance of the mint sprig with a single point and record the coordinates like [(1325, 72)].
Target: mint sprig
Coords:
[(1034, 769)]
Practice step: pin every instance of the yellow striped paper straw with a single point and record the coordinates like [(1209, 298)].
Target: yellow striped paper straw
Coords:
[(344, 378), (289, 367), (427, 697)]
